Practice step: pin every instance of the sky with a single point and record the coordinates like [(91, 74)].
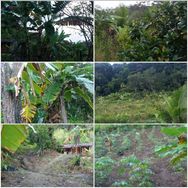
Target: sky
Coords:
[(113, 4), (74, 31), (75, 34)]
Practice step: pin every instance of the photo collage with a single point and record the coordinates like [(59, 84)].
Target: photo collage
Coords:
[(93, 93)]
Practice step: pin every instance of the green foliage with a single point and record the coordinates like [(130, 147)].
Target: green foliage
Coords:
[(84, 96), (139, 77), (142, 33), (40, 36), (126, 145), (177, 150), (66, 136), (12, 136), (120, 184), (5, 161), (45, 86), (124, 107), (129, 161), (174, 131), (75, 161), (104, 24), (140, 92), (60, 135), (138, 171), (175, 109), (137, 168), (103, 167), (42, 137), (52, 92), (86, 82)]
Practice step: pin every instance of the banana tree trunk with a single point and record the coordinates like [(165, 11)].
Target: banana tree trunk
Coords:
[(63, 110), (11, 104)]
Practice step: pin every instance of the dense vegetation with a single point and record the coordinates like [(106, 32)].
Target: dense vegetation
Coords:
[(142, 32), (35, 30), (140, 156), (140, 92), (47, 92), (37, 154), (138, 77)]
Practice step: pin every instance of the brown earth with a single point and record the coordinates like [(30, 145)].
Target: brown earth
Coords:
[(51, 169)]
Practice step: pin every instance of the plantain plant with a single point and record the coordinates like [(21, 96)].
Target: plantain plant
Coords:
[(177, 150), (48, 90)]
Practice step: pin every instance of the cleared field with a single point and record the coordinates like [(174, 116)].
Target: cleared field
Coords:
[(126, 156), (129, 108)]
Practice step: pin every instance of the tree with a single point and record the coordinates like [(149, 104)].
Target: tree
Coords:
[(11, 103), (139, 77), (83, 12)]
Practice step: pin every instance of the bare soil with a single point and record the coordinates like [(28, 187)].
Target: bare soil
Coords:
[(51, 169)]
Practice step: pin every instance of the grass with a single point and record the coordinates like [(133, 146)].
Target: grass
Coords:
[(129, 108)]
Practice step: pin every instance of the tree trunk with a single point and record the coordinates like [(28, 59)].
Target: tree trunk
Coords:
[(63, 110), (11, 105)]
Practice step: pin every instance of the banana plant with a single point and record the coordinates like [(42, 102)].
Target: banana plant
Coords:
[(41, 86), (177, 150), (12, 136), (38, 23)]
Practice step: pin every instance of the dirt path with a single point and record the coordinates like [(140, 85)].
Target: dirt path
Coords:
[(164, 175), (49, 170)]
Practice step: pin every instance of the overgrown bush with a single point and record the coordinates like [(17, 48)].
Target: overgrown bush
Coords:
[(42, 138), (142, 33)]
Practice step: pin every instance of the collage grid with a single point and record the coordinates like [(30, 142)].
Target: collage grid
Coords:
[(110, 140)]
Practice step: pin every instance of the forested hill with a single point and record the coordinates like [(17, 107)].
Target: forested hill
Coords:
[(111, 78)]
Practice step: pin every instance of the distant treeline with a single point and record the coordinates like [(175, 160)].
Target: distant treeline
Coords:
[(138, 77)]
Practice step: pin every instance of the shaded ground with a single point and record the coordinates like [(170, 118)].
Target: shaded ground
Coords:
[(143, 142), (49, 170), (128, 108)]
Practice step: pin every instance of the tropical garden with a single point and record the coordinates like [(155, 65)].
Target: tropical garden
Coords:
[(142, 32), (46, 92), (141, 92), (40, 30), (46, 155), (141, 156)]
